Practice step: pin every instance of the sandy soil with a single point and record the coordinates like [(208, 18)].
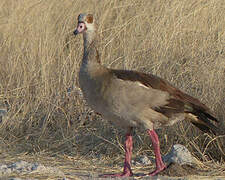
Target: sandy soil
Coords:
[(68, 168)]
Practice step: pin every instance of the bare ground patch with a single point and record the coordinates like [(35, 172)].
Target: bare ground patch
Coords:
[(92, 168)]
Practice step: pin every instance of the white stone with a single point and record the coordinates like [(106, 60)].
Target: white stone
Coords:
[(26, 167), (179, 154)]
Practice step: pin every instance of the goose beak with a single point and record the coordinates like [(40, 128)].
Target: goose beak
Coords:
[(76, 32)]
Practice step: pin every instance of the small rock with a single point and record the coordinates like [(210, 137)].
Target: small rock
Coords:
[(34, 166), (179, 154), (145, 160), (3, 166), (20, 166), (26, 167)]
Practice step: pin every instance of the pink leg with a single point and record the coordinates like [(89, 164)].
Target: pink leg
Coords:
[(127, 163), (160, 166)]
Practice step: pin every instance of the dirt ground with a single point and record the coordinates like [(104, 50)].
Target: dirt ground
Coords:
[(92, 168)]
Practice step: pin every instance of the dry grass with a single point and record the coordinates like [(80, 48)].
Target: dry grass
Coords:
[(79, 167), (181, 41)]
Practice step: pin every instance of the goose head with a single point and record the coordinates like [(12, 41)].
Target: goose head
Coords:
[(85, 24)]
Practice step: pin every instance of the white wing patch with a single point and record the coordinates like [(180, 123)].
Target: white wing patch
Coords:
[(142, 85)]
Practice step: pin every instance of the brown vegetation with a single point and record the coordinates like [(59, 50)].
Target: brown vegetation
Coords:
[(181, 41)]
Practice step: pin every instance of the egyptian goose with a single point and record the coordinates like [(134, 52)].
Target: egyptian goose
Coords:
[(132, 99)]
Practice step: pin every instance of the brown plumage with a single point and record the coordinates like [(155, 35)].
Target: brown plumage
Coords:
[(132, 99), (178, 102)]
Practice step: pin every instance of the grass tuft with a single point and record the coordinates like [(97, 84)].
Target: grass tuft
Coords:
[(181, 41)]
